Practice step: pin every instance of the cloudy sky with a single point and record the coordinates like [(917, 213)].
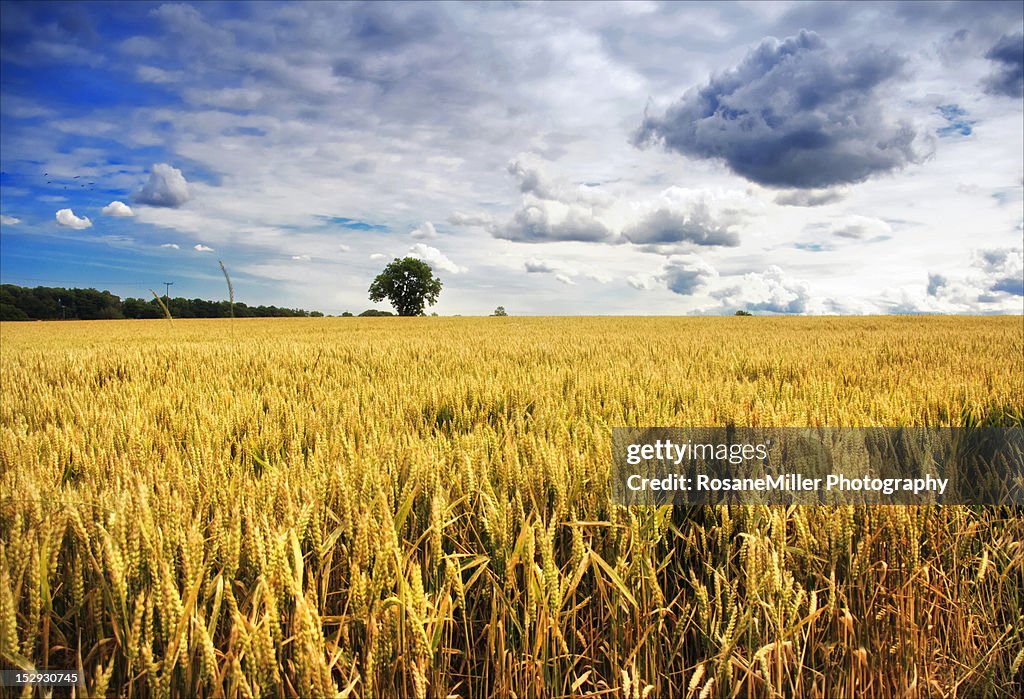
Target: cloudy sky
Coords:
[(635, 158)]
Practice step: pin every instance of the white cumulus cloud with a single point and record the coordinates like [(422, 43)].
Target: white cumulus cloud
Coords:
[(302, 258), (426, 231), (643, 282), (993, 284), (552, 221), (166, 187), (770, 291), (199, 247), (66, 217), (9, 220), (436, 258), (170, 246), (118, 209)]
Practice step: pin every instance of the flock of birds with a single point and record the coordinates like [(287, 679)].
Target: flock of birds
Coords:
[(90, 185)]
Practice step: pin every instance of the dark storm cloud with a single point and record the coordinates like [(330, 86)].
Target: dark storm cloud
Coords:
[(793, 113), (1011, 285), (958, 19), (696, 226), (685, 280), (681, 275), (1008, 78)]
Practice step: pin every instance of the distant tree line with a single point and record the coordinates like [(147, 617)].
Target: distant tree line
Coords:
[(50, 303)]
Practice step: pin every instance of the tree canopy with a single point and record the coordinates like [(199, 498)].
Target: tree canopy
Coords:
[(409, 284), (50, 303)]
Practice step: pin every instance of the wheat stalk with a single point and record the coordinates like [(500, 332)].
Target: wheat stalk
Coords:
[(167, 311), (231, 289), (188, 521)]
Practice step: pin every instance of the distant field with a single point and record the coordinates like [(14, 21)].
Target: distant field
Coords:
[(390, 507)]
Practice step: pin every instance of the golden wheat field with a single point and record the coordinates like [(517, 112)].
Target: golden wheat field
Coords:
[(421, 507)]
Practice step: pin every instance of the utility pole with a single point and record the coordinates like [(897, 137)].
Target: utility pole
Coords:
[(167, 291)]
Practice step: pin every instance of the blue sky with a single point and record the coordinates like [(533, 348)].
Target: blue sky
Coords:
[(678, 158)]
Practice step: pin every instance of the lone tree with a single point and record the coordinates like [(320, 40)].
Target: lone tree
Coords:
[(500, 311), (408, 284)]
